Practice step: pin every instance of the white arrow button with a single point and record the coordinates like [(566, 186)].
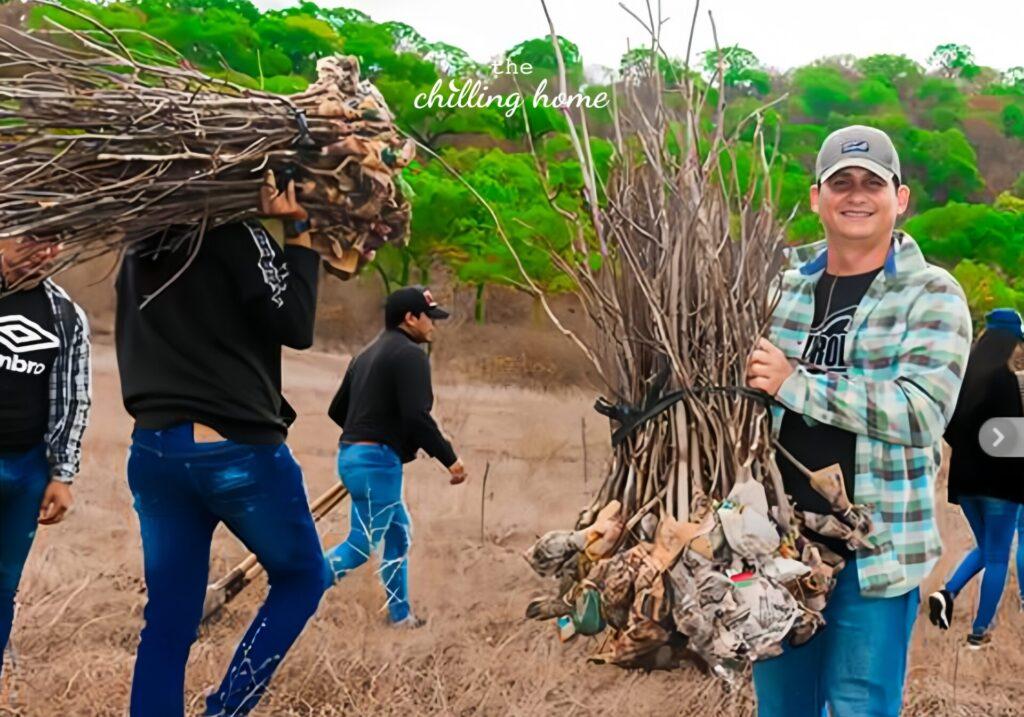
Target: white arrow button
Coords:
[(1002, 437)]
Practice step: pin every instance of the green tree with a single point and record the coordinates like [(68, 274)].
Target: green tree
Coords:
[(453, 61), (943, 163), (986, 289), (639, 62), (1012, 81), (897, 71), (822, 91), (1007, 202), (1018, 186), (1013, 121), (977, 232), (460, 231), (942, 102), (299, 37), (876, 95), (954, 60), (540, 54), (740, 69)]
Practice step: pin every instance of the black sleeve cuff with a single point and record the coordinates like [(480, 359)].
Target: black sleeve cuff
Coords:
[(302, 258), (447, 455)]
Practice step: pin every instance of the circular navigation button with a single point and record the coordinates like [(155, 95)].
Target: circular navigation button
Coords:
[(1002, 437)]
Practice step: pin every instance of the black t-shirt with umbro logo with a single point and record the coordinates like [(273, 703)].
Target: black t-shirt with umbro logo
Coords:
[(28, 349), (836, 299)]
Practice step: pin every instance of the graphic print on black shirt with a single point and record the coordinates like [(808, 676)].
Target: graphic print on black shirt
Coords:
[(826, 342), (28, 349), (817, 446), (206, 347)]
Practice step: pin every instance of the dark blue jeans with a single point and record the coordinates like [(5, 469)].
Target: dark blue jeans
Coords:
[(23, 479), (992, 521), (856, 666), (373, 476), (182, 491)]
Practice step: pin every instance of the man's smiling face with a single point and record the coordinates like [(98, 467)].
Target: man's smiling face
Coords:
[(856, 204)]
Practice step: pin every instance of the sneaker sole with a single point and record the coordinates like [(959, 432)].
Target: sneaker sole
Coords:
[(937, 611)]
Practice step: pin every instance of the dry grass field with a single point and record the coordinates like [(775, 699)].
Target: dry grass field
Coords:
[(82, 593)]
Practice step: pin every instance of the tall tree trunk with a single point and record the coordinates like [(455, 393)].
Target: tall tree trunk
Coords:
[(478, 304), (406, 260), (384, 278)]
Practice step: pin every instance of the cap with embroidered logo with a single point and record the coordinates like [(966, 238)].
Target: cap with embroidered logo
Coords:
[(858, 146), (415, 299)]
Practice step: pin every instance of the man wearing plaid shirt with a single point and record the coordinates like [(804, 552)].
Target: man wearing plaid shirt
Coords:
[(867, 349), (44, 406)]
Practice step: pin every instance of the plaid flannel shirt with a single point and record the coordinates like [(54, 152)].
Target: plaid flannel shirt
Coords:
[(70, 386), (906, 353)]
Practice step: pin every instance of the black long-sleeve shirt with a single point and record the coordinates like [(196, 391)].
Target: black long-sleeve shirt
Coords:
[(386, 397), (207, 347)]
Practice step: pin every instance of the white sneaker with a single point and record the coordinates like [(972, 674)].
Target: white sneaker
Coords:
[(940, 608), (409, 622)]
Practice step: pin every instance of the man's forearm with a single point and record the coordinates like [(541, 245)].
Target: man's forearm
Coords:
[(896, 411)]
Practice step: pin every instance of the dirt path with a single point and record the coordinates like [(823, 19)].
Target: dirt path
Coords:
[(81, 597)]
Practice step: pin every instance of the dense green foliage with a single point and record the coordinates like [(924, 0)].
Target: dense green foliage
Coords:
[(932, 113)]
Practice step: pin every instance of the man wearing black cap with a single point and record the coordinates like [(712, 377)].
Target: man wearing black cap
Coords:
[(383, 408)]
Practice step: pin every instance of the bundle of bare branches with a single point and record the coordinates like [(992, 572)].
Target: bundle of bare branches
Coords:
[(691, 541), (100, 147)]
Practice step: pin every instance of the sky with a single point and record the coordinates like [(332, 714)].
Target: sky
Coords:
[(782, 33)]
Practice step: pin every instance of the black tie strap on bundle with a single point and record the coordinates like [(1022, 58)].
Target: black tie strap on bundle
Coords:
[(630, 418), (305, 139)]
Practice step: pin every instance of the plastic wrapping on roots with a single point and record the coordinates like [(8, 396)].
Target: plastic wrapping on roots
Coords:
[(731, 587)]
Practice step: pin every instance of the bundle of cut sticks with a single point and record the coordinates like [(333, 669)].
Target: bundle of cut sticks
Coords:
[(100, 148)]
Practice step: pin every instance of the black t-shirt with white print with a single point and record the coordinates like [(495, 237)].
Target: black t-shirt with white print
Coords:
[(28, 349), (817, 446)]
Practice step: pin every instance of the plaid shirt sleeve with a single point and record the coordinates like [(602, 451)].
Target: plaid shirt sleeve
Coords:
[(70, 387), (913, 408)]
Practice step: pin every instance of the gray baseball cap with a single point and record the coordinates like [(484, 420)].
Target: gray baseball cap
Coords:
[(858, 146)]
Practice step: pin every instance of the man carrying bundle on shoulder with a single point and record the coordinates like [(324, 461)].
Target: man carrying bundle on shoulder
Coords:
[(868, 349), (199, 337), (45, 394)]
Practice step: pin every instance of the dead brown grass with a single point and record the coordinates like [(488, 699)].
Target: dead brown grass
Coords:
[(81, 598)]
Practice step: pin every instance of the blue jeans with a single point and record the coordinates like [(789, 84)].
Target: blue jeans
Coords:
[(23, 479), (373, 476), (182, 491), (857, 665), (992, 521)]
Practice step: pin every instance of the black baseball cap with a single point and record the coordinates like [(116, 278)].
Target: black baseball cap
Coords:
[(415, 299)]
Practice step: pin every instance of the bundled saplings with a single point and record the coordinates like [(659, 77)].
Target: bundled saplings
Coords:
[(691, 545), (100, 147)]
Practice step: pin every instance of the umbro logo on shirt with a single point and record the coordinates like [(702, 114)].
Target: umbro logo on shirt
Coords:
[(21, 336), (19, 365)]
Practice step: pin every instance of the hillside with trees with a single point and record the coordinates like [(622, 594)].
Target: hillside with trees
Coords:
[(958, 126)]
